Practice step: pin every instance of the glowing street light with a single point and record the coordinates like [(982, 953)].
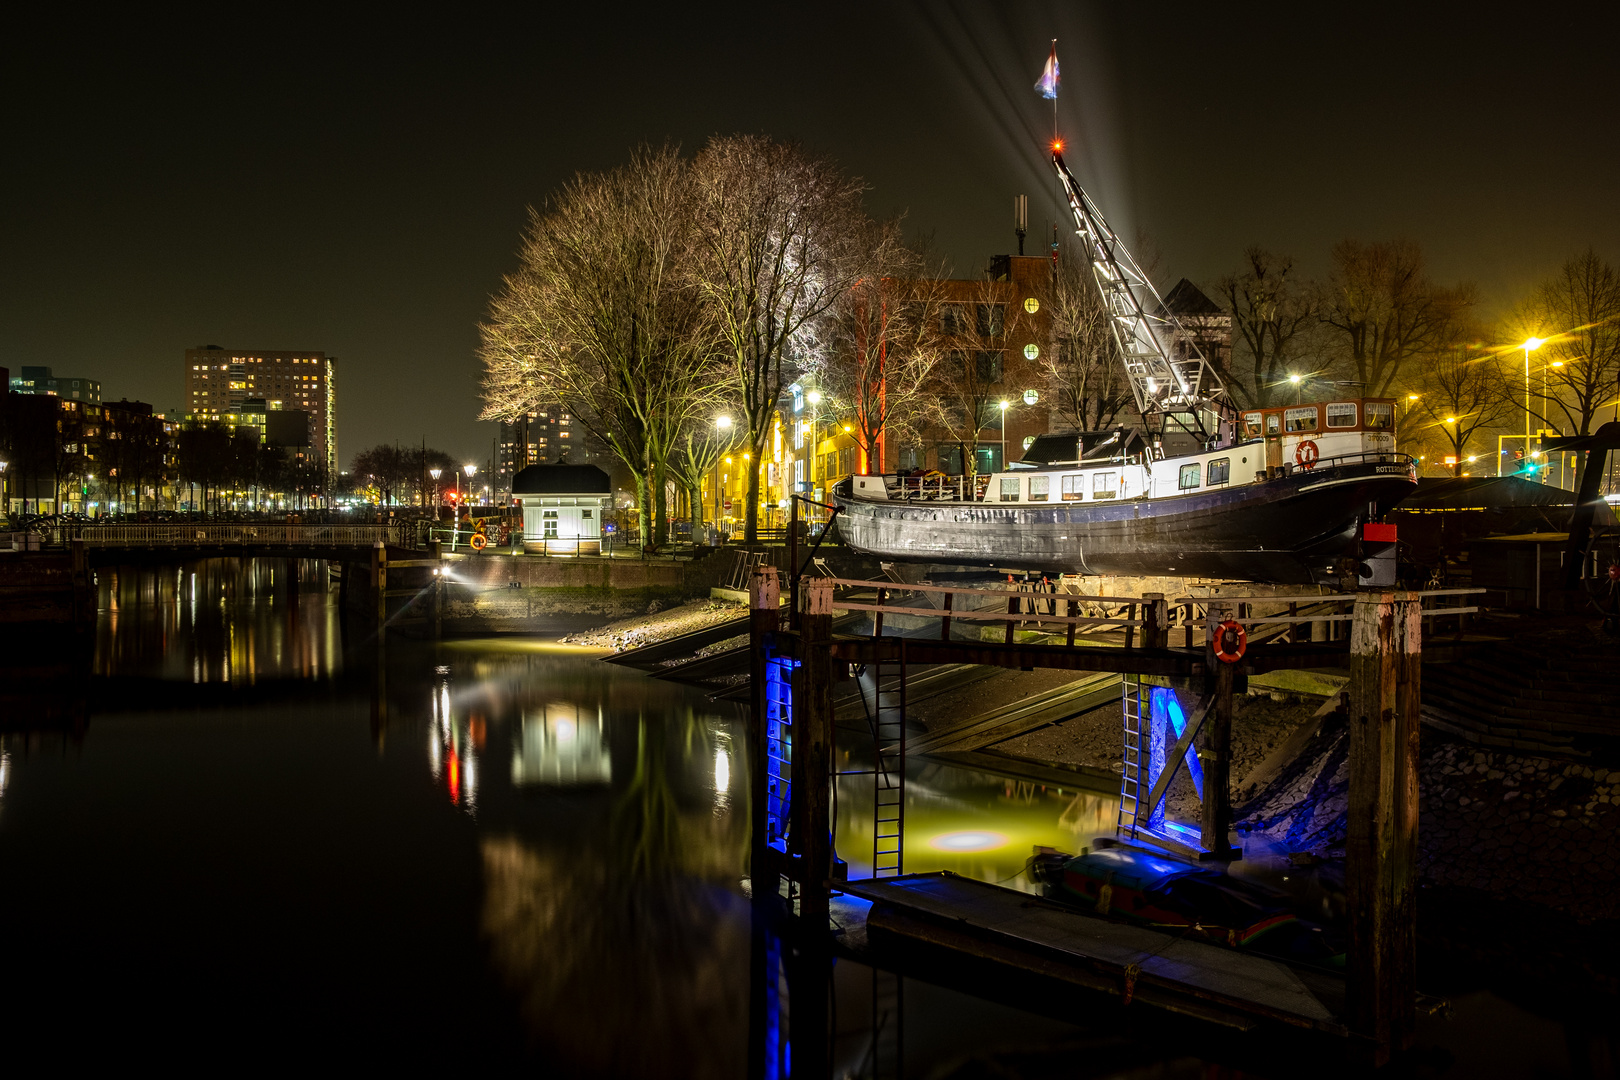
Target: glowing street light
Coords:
[(1004, 435), (1299, 388), (436, 473), (1529, 344)]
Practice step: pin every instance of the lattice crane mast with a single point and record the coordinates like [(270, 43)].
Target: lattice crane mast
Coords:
[(1168, 374)]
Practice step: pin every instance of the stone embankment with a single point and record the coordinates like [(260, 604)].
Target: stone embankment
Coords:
[(634, 632)]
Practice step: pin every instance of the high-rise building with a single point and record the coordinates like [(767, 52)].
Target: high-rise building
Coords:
[(543, 435), (220, 381)]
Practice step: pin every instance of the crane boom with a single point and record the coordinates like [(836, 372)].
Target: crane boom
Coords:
[(1180, 383)]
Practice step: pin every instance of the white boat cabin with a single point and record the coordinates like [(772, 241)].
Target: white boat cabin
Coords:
[(1270, 442)]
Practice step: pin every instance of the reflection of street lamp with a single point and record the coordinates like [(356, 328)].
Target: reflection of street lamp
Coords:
[(1003, 435)]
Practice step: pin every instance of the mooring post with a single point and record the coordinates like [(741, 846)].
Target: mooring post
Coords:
[(1215, 756), (1156, 621), (812, 750), (1381, 838), (764, 619), (83, 605), (379, 580)]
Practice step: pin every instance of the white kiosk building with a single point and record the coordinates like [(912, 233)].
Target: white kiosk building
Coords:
[(563, 507)]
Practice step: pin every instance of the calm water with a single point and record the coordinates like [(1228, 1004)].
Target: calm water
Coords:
[(235, 835)]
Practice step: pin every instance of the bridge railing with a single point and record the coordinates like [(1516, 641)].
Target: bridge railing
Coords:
[(240, 534)]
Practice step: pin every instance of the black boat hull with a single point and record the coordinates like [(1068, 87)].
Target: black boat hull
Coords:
[(1287, 530)]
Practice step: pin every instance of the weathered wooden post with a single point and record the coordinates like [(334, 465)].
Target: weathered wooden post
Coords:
[(1155, 621), (379, 581), (1215, 755), (1381, 837), (437, 547), (83, 602), (812, 749), (764, 619)]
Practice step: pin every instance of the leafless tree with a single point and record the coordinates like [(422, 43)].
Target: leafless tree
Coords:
[(883, 344), (1274, 317), (699, 451), (1459, 391), (781, 235), (970, 379), (1577, 312), (1081, 363), (603, 316), (1384, 311)]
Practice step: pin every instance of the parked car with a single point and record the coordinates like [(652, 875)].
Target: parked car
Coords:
[(1158, 891)]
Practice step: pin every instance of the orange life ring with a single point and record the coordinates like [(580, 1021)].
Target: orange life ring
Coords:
[(479, 541), (1305, 454), (1230, 642)]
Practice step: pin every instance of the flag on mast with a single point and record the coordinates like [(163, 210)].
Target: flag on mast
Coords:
[(1048, 84)]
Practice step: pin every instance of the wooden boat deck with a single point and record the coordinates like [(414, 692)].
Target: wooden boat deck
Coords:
[(1024, 932)]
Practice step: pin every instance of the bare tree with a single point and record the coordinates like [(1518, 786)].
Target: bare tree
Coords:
[(1460, 391), (1273, 317), (1577, 311), (883, 345), (970, 379), (1081, 362), (702, 444), (1385, 311), (603, 316), (781, 237)]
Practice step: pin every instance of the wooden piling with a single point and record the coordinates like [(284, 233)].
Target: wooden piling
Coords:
[(764, 619), (812, 749), (1215, 753), (379, 581), (1381, 839)]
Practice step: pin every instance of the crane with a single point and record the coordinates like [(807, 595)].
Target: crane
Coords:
[(1170, 378)]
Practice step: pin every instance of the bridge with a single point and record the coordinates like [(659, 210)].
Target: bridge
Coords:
[(104, 544)]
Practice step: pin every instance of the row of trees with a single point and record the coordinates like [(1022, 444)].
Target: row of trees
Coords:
[(1381, 326), (402, 475)]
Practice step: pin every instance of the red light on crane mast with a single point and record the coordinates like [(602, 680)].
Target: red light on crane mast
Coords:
[(1057, 146)]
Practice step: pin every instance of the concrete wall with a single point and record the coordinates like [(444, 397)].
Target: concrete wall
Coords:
[(508, 587)]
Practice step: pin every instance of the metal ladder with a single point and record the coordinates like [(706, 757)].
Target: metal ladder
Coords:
[(1130, 777), (886, 713)]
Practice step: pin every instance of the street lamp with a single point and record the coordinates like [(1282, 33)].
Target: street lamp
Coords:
[(436, 473), (1299, 388), (1529, 344), (722, 424), (471, 471), (1004, 435), (814, 398)]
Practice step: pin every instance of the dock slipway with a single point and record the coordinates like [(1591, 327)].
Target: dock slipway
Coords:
[(1028, 934), (962, 928)]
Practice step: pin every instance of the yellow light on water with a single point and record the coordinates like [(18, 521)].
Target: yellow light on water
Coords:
[(968, 840)]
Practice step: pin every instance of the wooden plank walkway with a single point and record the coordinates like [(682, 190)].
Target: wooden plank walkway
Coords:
[(1024, 715), (1038, 937)]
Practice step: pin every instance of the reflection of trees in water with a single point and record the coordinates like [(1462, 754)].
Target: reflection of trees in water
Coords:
[(632, 960)]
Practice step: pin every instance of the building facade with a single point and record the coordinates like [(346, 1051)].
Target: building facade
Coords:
[(40, 380), (220, 382)]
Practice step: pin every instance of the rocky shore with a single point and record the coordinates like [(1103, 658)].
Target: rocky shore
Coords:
[(649, 629)]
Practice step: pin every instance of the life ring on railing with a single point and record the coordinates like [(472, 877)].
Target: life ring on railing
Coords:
[(1230, 642), (1305, 454), (479, 541)]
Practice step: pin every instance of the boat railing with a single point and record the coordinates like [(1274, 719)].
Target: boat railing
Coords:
[(938, 488), (1361, 457)]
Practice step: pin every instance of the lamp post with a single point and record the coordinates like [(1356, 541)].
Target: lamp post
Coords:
[(1529, 344), (471, 471), (814, 398), (1299, 389), (722, 424), (1003, 436), (5, 501), (436, 473)]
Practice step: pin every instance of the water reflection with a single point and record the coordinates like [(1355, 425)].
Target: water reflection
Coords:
[(558, 747), (234, 621)]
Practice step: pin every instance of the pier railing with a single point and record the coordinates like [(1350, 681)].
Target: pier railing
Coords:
[(242, 534)]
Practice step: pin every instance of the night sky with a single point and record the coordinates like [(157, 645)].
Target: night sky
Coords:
[(360, 187)]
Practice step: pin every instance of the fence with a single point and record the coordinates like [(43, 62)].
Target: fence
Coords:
[(201, 535)]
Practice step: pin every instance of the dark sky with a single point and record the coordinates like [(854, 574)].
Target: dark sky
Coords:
[(359, 187)]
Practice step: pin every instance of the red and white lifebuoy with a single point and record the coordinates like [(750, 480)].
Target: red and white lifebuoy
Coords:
[(1305, 454), (1230, 642), (479, 541)]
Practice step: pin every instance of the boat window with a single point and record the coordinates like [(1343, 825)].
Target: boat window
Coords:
[(1189, 476), (1303, 419), (1380, 415), (1251, 425), (1009, 488), (1273, 423), (1220, 470), (1341, 414), (1074, 487), (1102, 485), (1038, 488)]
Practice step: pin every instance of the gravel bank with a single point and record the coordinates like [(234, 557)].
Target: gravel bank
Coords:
[(639, 630)]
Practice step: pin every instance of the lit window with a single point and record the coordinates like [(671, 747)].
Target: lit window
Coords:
[(1220, 471), (1102, 485), (1301, 419), (1039, 487), (1074, 487), (1009, 488), (1189, 476), (1341, 414)]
